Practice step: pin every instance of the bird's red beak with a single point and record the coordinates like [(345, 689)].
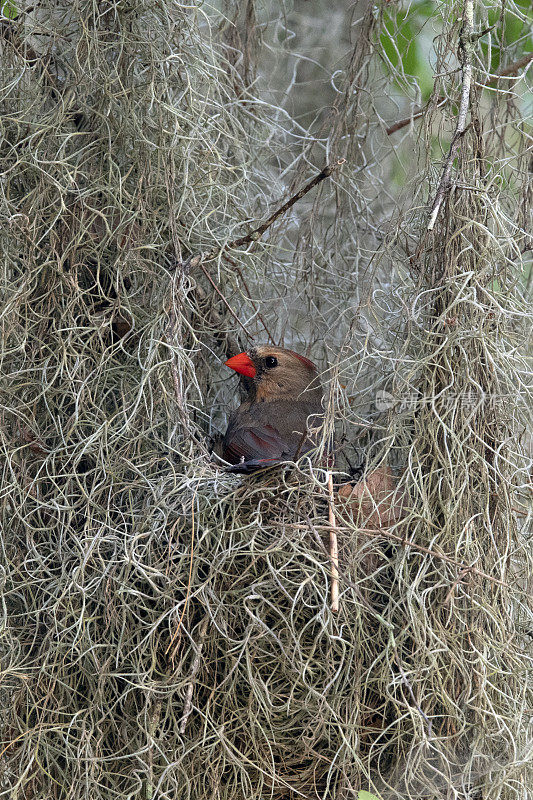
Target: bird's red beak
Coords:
[(243, 364)]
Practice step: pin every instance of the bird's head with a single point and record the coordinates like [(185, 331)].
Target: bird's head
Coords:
[(277, 374)]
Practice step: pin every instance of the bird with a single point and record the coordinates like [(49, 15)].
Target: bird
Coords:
[(284, 402)]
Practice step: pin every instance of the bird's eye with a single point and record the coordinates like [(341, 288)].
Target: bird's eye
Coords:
[(271, 362)]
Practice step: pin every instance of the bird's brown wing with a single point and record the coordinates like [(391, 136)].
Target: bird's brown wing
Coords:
[(264, 434), (252, 447)]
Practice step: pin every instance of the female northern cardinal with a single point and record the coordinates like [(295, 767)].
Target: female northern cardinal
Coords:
[(284, 401)]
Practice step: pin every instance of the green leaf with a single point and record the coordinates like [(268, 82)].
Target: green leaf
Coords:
[(426, 8), (9, 9), (513, 31), (366, 796), (400, 39)]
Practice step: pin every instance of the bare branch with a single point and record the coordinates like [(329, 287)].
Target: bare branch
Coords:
[(387, 534), (333, 547), (255, 235), (187, 706), (402, 123), (219, 293), (465, 55), (258, 232), (511, 70)]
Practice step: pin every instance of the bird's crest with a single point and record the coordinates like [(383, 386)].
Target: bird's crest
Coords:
[(306, 361)]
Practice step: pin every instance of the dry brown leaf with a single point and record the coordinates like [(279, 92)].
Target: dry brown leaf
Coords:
[(375, 501)]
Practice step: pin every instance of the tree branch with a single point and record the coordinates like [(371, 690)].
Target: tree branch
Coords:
[(187, 706), (333, 547), (384, 533), (402, 123), (465, 55), (512, 69), (219, 293), (256, 234)]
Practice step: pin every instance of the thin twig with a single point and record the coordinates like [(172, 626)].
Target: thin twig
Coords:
[(465, 55), (512, 69), (342, 574), (376, 533), (420, 112), (217, 290), (301, 444), (187, 706), (155, 717), (189, 584), (402, 123), (201, 258), (252, 301), (456, 582), (255, 235), (333, 547), (258, 232)]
